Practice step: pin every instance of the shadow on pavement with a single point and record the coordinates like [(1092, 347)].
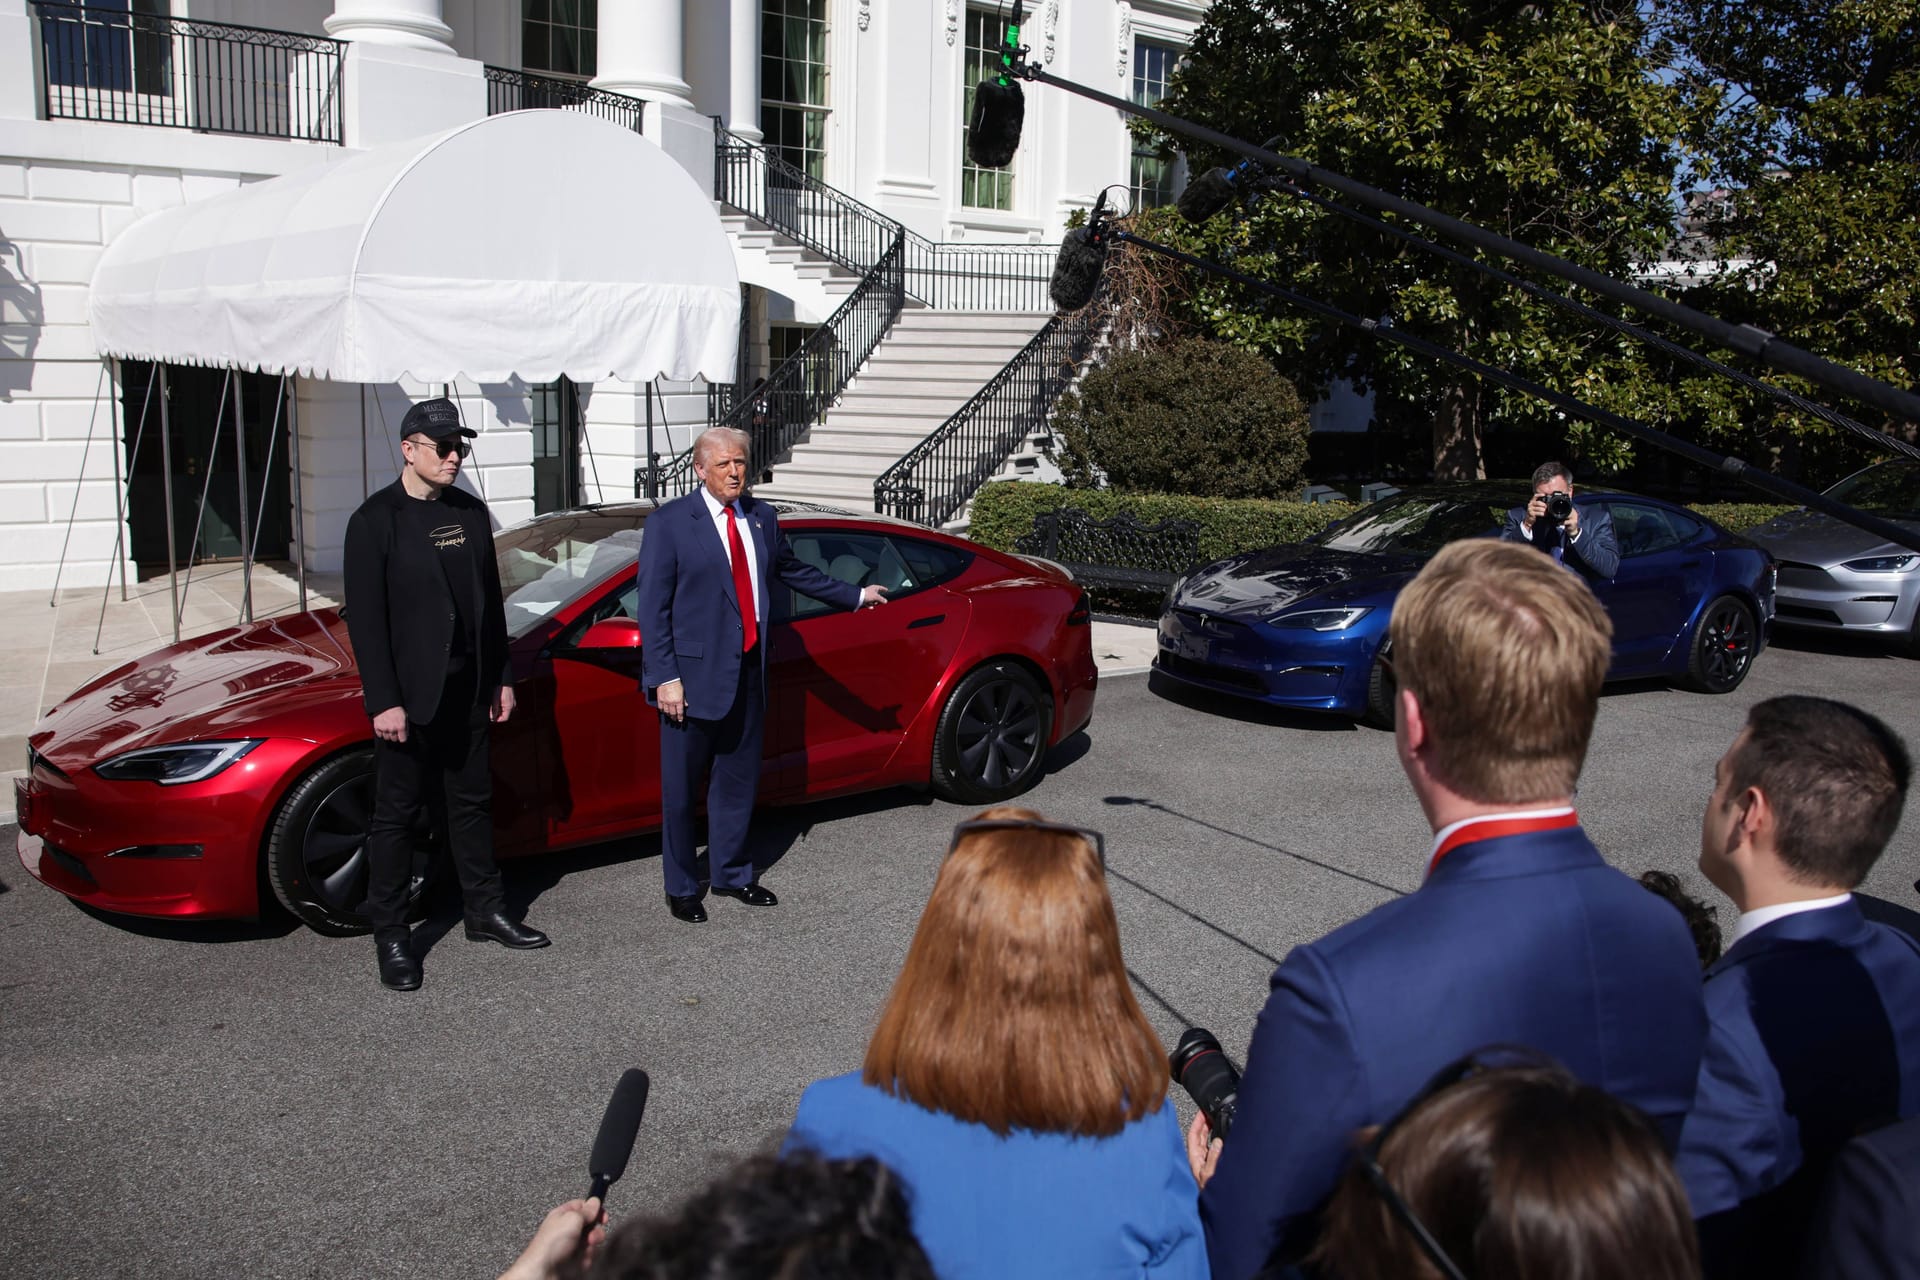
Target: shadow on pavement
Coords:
[(1246, 710)]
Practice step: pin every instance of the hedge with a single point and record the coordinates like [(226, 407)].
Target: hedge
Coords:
[(1005, 510)]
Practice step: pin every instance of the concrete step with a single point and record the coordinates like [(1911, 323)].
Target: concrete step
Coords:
[(844, 490), (974, 321), (901, 392), (901, 438), (889, 367)]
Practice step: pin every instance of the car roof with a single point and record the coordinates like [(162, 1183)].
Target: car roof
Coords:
[(640, 508)]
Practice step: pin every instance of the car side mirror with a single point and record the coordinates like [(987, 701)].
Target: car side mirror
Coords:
[(610, 633)]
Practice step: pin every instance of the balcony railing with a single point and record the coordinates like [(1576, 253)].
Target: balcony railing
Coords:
[(137, 68), (510, 90), (979, 277), (934, 480)]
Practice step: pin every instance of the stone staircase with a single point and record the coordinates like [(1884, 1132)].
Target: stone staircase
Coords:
[(766, 257), (926, 368)]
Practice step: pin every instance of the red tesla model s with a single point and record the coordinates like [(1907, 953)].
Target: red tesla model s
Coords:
[(203, 777)]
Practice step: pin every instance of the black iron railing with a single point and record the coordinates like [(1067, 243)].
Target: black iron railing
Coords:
[(935, 479), (111, 65), (760, 183), (510, 90), (799, 391), (979, 277)]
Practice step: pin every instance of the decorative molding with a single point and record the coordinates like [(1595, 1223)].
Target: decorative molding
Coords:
[(865, 17), (953, 20), (1052, 28), (1123, 48)]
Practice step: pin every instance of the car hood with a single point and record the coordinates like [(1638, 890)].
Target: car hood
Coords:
[(223, 685), (1813, 538), (1258, 582)]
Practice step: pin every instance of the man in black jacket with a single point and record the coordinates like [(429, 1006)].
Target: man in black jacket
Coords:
[(429, 630)]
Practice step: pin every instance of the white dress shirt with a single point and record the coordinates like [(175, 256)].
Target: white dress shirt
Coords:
[(1762, 916), (718, 510)]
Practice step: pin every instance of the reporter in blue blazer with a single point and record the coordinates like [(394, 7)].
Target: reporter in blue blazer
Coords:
[(1814, 1011), (1013, 1082), (1584, 540), (704, 605), (1520, 933)]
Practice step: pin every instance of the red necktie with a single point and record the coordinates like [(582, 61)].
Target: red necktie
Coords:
[(742, 584)]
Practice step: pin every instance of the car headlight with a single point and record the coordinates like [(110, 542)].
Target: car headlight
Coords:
[(1321, 619), (1882, 564), (171, 766)]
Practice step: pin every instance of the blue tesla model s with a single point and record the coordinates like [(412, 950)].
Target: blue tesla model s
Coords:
[(1300, 625)]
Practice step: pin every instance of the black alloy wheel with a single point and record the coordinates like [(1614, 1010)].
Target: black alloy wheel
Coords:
[(1382, 690), (1723, 646), (991, 742), (317, 850)]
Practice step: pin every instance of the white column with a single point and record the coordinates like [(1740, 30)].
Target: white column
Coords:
[(642, 51), (743, 82), (409, 24)]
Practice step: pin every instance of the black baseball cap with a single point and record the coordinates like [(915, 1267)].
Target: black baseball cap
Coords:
[(436, 419)]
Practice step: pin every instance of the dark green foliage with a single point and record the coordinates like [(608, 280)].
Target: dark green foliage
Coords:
[(1193, 416), (1738, 517)]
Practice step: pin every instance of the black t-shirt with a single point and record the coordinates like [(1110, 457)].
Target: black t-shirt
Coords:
[(426, 521)]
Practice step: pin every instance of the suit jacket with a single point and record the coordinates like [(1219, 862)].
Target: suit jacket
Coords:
[(1038, 1205), (1868, 1226), (1526, 939), (690, 622), (1596, 552), (400, 609), (1813, 1037)]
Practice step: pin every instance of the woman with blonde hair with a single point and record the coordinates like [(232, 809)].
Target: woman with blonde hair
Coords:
[(1013, 1081)]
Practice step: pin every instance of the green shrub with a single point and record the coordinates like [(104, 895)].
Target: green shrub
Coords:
[(1738, 517), (1191, 417)]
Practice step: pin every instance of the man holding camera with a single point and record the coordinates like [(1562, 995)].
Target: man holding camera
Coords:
[(1520, 933), (1551, 522)]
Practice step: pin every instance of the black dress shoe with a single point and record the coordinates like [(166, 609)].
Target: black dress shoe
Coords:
[(399, 971), (751, 894), (496, 927), (688, 909)]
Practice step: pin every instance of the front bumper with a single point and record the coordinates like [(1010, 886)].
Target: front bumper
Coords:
[(1838, 599), (1307, 670)]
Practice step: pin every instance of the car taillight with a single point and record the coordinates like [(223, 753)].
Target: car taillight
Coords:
[(1082, 612)]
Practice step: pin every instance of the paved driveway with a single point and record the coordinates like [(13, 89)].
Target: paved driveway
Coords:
[(245, 1101)]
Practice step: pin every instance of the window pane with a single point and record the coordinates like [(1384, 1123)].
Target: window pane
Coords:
[(981, 188)]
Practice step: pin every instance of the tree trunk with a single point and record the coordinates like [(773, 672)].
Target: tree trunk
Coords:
[(1456, 434)]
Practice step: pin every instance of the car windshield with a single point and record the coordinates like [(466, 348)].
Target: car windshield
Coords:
[(1891, 489), (546, 565), (1411, 523)]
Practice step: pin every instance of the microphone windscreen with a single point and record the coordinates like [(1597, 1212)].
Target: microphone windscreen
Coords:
[(619, 1126), (1206, 195), (1076, 272), (993, 133)]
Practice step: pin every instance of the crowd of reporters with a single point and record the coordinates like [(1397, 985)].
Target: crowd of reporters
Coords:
[(1515, 1070)]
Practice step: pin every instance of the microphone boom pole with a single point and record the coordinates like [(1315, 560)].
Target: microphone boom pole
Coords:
[(1746, 339)]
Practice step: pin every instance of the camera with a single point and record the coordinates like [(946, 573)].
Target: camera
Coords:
[(1559, 506), (1201, 1068)]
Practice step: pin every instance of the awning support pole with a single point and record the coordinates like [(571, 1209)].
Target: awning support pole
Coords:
[(266, 474), (299, 524), (53, 601), (166, 484), (653, 459), (206, 487), (120, 497), (119, 437), (246, 522), (580, 429)]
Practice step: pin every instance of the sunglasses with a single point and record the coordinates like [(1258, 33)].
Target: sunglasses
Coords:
[(445, 448), (1092, 837)]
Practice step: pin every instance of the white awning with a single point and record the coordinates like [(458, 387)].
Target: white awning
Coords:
[(533, 244)]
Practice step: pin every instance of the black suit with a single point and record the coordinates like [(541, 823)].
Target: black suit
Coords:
[(441, 658)]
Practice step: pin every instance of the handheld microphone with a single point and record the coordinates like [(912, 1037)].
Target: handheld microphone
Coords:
[(999, 108), (1083, 254), (1211, 192), (618, 1128)]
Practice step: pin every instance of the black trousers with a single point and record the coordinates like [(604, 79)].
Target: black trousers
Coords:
[(445, 760)]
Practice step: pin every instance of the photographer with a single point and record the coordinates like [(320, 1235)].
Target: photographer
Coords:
[(1551, 522)]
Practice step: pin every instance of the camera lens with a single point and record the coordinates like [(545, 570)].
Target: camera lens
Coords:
[(1559, 506), (1201, 1068)]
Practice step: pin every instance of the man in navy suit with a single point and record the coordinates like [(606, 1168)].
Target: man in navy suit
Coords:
[(1814, 1011), (1585, 543), (704, 608), (1520, 934)]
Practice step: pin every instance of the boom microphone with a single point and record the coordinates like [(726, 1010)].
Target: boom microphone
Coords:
[(1083, 254), (999, 108), (1211, 192), (618, 1128)]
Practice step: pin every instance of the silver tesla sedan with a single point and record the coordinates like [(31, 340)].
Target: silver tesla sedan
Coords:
[(1835, 577)]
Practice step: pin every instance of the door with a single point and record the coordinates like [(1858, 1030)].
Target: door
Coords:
[(555, 414), (1658, 585), (843, 687)]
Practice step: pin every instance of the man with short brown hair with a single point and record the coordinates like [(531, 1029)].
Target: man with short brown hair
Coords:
[(1814, 1010), (1520, 934), (1553, 522)]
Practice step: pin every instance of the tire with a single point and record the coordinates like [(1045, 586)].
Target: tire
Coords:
[(1723, 646), (991, 742), (1382, 689), (316, 855)]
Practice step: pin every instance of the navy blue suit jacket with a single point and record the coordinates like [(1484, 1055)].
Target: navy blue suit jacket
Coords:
[(1523, 940), (1596, 551), (1813, 1037), (690, 622), (1869, 1225)]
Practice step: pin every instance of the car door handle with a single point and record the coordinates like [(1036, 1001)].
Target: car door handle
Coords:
[(927, 622)]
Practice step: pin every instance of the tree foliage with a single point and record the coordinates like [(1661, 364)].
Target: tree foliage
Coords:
[(1541, 121), (1188, 416)]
